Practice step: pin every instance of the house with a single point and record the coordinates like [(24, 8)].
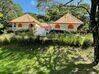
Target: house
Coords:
[(25, 22), (43, 29), (46, 26), (68, 23), (39, 31)]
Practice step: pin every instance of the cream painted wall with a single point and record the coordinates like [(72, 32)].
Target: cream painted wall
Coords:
[(25, 26), (66, 27)]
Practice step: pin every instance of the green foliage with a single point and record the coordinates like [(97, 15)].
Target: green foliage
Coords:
[(88, 41), (56, 10), (1, 28), (75, 40), (85, 27), (21, 54), (54, 60), (1, 15), (9, 11)]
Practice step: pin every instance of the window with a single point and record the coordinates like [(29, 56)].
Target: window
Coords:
[(20, 25), (71, 26), (14, 25), (31, 25), (57, 26)]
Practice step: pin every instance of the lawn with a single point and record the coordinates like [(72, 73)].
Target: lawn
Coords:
[(36, 58)]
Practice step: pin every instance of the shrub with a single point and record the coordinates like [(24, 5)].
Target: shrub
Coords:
[(13, 40), (87, 43), (6, 41), (1, 28), (74, 40)]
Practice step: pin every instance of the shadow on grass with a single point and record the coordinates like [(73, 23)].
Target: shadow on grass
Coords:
[(72, 68), (20, 49), (34, 42), (27, 49)]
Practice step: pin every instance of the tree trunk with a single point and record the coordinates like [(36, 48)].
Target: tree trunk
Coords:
[(95, 30), (96, 47)]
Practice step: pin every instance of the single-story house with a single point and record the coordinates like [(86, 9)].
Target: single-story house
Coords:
[(25, 22), (39, 31), (46, 26), (43, 29), (68, 23)]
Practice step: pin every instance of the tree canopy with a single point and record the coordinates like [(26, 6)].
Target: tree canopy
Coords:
[(9, 10), (55, 10)]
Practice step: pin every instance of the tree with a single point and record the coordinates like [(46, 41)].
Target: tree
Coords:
[(15, 12), (94, 25), (9, 10), (57, 11)]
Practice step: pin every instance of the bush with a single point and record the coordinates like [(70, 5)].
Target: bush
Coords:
[(86, 44), (73, 39), (1, 28), (6, 41), (13, 40)]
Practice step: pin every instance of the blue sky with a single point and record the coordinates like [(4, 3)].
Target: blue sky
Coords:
[(30, 5)]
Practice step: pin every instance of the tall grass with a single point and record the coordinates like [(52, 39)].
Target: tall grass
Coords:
[(68, 39), (74, 39)]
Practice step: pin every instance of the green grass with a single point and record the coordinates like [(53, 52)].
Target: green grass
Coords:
[(21, 55), (76, 40), (44, 60)]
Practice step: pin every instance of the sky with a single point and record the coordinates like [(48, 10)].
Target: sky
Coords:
[(31, 5)]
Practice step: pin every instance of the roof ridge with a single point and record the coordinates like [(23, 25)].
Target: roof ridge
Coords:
[(25, 18), (68, 18)]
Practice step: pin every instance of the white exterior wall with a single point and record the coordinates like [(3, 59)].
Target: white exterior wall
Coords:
[(39, 31)]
